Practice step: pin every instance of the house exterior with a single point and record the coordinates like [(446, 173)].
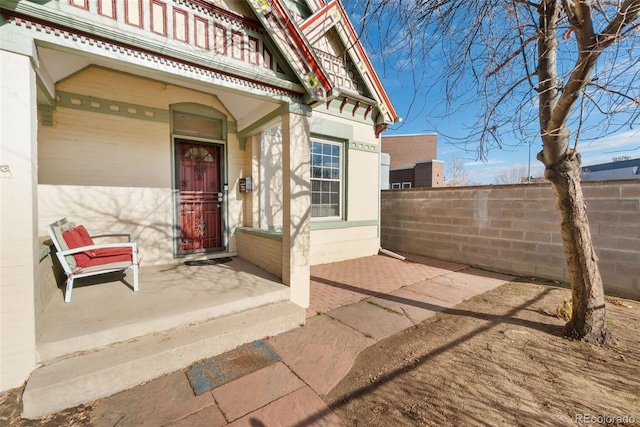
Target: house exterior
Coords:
[(621, 169), (413, 161), (207, 128)]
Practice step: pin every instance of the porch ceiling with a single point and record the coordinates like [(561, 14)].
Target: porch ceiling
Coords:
[(55, 65)]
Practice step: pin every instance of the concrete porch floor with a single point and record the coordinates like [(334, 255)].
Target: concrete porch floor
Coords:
[(104, 310)]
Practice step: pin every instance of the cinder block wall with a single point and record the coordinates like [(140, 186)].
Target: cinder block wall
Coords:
[(515, 228)]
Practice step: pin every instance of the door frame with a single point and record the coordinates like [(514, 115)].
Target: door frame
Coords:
[(177, 140), (209, 113)]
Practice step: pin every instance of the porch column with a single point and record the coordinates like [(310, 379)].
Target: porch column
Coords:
[(296, 205), (18, 218)]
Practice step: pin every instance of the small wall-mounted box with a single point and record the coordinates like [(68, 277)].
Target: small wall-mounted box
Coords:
[(245, 185)]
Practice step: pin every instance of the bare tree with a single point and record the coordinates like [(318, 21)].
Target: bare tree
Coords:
[(549, 69), (512, 175), (457, 175)]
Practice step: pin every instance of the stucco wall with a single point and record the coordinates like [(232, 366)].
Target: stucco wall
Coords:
[(515, 228), (263, 250), (340, 244), (111, 172), (18, 223)]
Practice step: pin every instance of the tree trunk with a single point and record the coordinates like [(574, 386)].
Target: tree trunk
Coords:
[(588, 321)]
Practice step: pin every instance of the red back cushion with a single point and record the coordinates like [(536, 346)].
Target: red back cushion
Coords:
[(84, 235), (74, 240)]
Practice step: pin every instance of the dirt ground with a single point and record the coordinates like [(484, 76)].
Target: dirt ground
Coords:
[(498, 360)]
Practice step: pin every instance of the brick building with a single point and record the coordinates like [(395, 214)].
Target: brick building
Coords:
[(413, 161)]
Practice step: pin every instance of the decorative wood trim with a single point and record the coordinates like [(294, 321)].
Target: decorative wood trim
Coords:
[(253, 46), (80, 4), (128, 14), (113, 12), (153, 9), (267, 58), (366, 113), (114, 108), (242, 20), (318, 224), (344, 102), (205, 32), (57, 30), (219, 39), (237, 45), (183, 15), (355, 108)]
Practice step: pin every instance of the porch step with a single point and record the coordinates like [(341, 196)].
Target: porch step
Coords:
[(51, 348), (86, 377)]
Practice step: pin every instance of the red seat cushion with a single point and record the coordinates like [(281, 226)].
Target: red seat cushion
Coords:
[(79, 237), (109, 252), (92, 262)]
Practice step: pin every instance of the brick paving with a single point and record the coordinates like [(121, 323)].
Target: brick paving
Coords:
[(365, 300), (342, 283)]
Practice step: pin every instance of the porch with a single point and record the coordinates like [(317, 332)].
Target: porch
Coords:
[(105, 311), (109, 338)]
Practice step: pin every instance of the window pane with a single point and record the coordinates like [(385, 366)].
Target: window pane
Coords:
[(325, 179)]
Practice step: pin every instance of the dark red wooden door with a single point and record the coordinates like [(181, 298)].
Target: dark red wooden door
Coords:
[(199, 175)]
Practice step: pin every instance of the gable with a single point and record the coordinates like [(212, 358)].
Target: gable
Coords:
[(313, 36)]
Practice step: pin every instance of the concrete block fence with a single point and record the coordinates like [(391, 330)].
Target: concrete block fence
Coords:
[(515, 228)]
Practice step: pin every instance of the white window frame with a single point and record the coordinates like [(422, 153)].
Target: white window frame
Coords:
[(406, 185), (340, 179), (395, 186)]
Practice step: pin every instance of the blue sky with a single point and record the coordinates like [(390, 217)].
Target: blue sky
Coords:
[(421, 105), (419, 116)]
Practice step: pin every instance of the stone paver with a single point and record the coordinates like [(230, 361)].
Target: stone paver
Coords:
[(372, 320), (374, 296), (321, 353), (209, 416), (300, 408), (256, 390), (478, 281), (443, 288), (156, 403), (416, 306)]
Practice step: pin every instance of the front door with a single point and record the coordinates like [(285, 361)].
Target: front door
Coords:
[(199, 183)]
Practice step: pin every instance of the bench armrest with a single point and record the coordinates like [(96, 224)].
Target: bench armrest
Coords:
[(94, 247), (127, 234)]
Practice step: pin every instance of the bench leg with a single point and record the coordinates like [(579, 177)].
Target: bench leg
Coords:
[(67, 294), (135, 277)]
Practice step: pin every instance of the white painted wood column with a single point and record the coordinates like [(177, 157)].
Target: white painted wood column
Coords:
[(18, 218), (296, 206)]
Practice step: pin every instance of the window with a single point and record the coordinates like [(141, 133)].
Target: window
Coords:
[(326, 179), (406, 185), (395, 186)]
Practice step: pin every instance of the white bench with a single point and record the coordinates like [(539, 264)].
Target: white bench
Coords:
[(83, 258)]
